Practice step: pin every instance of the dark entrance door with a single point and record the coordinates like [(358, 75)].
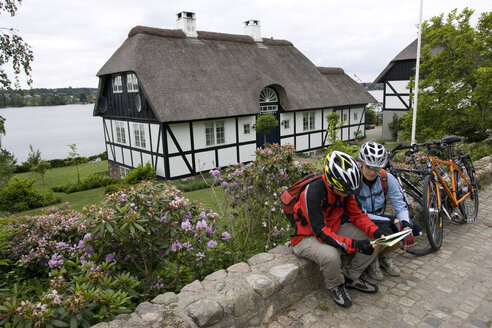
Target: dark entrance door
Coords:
[(269, 104)]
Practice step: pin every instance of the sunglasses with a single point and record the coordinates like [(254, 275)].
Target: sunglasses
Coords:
[(373, 168)]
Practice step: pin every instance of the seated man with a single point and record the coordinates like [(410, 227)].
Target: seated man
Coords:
[(373, 157), (320, 236)]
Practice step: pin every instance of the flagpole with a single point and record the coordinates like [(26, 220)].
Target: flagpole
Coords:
[(419, 39)]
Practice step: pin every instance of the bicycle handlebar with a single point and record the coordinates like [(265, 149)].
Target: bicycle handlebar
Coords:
[(445, 142)]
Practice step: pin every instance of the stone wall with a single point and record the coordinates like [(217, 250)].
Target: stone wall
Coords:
[(245, 294)]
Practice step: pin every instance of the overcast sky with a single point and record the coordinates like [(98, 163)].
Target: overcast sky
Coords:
[(71, 40)]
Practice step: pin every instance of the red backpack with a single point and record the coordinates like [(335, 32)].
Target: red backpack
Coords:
[(384, 180), (290, 196)]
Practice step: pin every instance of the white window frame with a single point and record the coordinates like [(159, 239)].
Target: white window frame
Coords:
[(268, 109), (308, 121), (117, 84), (131, 82), (124, 172), (214, 133), (139, 135), (120, 132)]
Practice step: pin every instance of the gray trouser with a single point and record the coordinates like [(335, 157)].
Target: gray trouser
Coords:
[(328, 257)]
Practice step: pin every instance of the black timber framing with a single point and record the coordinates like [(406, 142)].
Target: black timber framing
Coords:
[(407, 106), (180, 151)]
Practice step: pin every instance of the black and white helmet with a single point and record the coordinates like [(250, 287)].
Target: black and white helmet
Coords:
[(343, 173), (373, 154)]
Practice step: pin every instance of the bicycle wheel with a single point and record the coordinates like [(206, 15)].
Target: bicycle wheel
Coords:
[(468, 207), (431, 213)]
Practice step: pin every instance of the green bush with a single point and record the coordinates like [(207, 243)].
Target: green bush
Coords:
[(20, 195), (140, 173), (92, 181)]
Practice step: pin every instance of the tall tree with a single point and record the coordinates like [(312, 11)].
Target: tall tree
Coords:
[(264, 124), (455, 89), (2, 129), (13, 49)]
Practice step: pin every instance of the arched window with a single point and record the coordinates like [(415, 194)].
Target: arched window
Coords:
[(268, 101)]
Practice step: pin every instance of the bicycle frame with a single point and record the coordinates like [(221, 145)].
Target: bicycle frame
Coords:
[(453, 192)]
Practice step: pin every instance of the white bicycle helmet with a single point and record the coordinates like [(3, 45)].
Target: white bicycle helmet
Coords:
[(373, 154), (343, 173)]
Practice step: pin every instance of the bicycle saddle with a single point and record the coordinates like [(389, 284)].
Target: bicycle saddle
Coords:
[(451, 139)]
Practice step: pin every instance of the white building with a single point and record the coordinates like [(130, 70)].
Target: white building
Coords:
[(186, 101)]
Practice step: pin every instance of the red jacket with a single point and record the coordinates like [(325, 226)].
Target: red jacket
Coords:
[(317, 219)]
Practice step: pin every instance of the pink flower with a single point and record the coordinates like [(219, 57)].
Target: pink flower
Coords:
[(226, 236)]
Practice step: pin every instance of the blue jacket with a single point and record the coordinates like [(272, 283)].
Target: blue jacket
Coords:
[(372, 199)]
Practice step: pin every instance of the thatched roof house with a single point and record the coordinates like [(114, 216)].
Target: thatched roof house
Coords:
[(193, 76)]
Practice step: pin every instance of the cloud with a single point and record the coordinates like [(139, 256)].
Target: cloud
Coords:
[(73, 39)]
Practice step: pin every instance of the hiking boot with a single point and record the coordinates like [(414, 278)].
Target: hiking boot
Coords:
[(388, 266), (362, 285), (340, 296), (374, 271)]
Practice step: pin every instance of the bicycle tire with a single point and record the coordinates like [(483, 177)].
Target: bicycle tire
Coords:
[(468, 207), (431, 213)]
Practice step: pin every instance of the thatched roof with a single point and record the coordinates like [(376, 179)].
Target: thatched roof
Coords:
[(353, 91), (221, 75)]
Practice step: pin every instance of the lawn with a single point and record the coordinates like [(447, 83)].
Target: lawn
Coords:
[(63, 175)]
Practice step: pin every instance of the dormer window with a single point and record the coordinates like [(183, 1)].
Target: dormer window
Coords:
[(117, 84), (131, 82)]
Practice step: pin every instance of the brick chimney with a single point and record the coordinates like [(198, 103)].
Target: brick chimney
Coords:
[(253, 29), (187, 23)]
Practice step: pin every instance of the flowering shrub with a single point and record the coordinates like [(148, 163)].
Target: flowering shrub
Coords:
[(37, 240), (253, 211), (79, 294), (152, 231)]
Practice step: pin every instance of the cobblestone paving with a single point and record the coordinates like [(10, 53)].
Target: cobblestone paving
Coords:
[(449, 288)]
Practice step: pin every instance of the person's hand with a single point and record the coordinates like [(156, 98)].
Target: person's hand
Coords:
[(408, 241), (363, 246), (378, 233)]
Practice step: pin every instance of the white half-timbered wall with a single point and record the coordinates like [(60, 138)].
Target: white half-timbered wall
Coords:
[(179, 149), (396, 100)]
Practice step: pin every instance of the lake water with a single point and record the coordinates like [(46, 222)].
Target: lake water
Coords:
[(51, 129)]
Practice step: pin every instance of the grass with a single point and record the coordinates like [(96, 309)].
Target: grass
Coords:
[(206, 197), (63, 175)]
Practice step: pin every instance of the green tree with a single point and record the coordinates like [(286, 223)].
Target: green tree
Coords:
[(264, 124), (455, 89), (13, 49), (7, 166), (41, 168), (34, 157), (371, 115), (2, 129), (75, 159)]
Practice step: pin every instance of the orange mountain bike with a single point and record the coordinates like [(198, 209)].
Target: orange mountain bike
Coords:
[(454, 197)]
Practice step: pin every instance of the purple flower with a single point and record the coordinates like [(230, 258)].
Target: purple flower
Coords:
[(224, 184), (62, 245), (215, 173), (202, 215), (209, 231), (270, 151), (88, 236), (164, 219), (176, 246), (211, 244), (56, 261), (188, 247), (188, 216), (201, 224), (186, 225), (226, 236), (199, 256), (110, 257)]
